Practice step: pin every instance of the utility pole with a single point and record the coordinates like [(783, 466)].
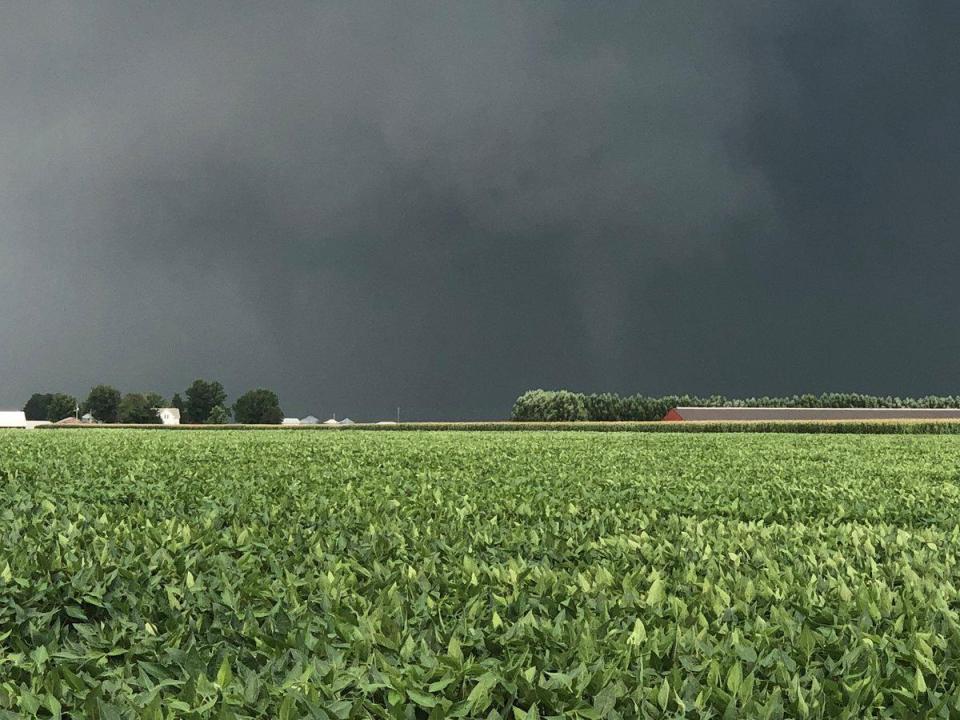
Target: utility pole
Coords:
[(398, 413)]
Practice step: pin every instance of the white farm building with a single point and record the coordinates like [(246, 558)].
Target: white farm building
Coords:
[(13, 419), (169, 416), (731, 414)]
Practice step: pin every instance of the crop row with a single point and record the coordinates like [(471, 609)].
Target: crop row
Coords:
[(832, 427)]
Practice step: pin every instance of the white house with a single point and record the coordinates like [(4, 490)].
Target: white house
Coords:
[(290, 421), (169, 416), (13, 419)]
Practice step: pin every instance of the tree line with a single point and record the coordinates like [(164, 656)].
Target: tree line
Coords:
[(564, 405), (205, 401)]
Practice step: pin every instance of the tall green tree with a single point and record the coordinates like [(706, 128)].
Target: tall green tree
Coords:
[(103, 403), (218, 416), (258, 407), (37, 405), (550, 405), (179, 404), (154, 401), (202, 397), (61, 406), (136, 408)]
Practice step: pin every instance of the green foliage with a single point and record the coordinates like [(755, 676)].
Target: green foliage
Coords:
[(433, 575), (178, 402), (103, 403), (37, 406), (61, 406), (258, 407), (202, 397), (137, 408), (539, 405), (50, 406), (218, 416), (550, 406), (180, 405)]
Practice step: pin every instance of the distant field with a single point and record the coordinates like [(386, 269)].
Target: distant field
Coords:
[(507, 575)]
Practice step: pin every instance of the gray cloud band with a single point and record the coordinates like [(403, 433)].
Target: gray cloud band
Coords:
[(439, 207)]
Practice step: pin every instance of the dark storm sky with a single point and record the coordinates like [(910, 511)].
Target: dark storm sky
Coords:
[(439, 205)]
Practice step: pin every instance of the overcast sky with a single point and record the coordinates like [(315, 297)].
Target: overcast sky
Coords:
[(440, 205)]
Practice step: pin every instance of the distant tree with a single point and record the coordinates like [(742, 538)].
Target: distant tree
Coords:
[(529, 406), (258, 407), (180, 405), (136, 408), (103, 403), (218, 416), (202, 398), (37, 405), (550, 406), (61, 406), (605, 406), (155, 400), (564, 405)]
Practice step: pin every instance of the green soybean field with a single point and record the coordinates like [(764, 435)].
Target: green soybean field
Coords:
[(264, 574)]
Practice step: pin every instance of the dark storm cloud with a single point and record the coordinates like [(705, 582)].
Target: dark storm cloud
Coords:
[(440, 205)]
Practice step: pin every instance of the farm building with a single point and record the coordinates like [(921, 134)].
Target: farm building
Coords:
[(290, 421), (169, 416), (13, 419), (309, 420), (726, 414)]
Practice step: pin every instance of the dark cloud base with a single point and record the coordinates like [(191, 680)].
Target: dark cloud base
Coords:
[(439, 207)]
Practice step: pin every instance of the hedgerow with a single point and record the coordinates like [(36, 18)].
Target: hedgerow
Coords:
[(548, 405), (432, 575)]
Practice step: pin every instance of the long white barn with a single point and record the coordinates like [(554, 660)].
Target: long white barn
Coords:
[(13, 419), (721, 414)]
